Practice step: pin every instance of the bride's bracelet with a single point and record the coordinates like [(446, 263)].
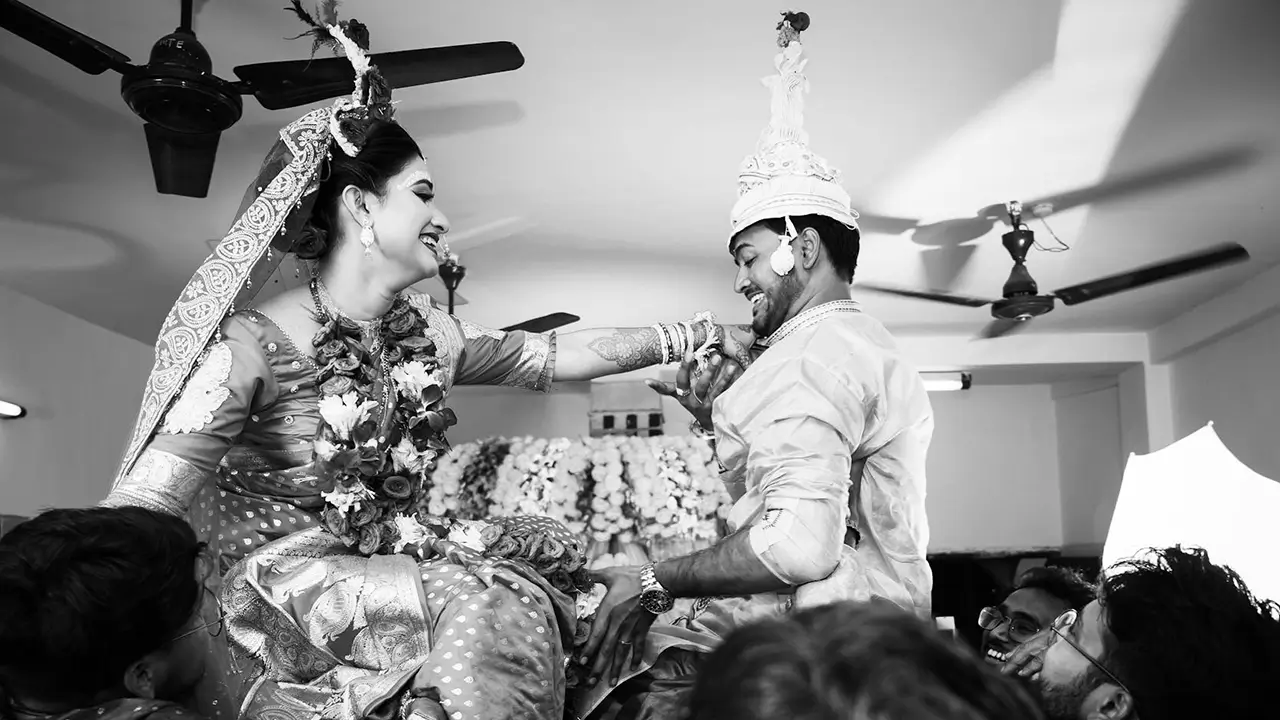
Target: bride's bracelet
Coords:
[(679, 339)]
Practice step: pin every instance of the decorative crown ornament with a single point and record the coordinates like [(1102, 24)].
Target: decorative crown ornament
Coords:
[(783, 178)]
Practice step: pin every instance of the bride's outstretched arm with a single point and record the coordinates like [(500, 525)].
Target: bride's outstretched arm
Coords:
[(597, 352)]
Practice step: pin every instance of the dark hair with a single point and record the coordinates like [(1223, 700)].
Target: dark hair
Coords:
[(385, 149), (842, 242), (850, 660), (89, 592), (1188, 638), (1065, 584)]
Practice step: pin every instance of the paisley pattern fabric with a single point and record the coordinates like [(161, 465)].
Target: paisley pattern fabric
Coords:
[(341, 636), (275, 207), (121, 709)]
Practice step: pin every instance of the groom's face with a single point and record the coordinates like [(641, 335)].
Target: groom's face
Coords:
[(771, 296)]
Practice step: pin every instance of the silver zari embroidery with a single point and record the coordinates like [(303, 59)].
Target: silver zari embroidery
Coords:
[(530, 371), (203, 394), (159, 481)]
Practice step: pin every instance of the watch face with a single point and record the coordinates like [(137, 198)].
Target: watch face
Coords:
[(656, 601)]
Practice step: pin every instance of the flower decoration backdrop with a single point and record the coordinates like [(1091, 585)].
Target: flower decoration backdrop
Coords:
[(636, 499)]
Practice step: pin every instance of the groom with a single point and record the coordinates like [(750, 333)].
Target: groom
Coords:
[(822, 439)]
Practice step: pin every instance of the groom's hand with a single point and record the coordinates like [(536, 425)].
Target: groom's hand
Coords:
[(697, 392), (620, 627)]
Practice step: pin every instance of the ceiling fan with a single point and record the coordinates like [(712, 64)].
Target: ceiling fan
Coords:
[(185, 107), (1021, 300), (950, 243)]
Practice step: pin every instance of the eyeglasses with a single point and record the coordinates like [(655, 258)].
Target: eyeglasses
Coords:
[(1020, 630), (213, 627), (1062, 624)]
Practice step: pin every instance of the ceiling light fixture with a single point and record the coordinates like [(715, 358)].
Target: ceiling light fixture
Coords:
[(947, 382), (9, 410)]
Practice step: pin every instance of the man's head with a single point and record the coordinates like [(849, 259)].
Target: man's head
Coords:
[(1173, 636), (102, 603), (1039, 595), (825, 254), (850, 660)]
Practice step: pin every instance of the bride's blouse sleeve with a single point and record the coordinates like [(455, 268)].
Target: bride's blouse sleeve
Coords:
[(476, 355), (232, 380)]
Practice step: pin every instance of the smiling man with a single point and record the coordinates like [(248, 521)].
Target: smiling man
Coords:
[(1170, 635), (823, 438), (1040, 595)]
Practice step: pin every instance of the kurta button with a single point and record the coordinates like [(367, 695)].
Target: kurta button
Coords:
[(271, 347), (296, 365), (288, 419)]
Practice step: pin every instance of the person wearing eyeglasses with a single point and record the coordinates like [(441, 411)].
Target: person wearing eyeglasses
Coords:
[(1039, 595), (104, 615), (1170, 635)]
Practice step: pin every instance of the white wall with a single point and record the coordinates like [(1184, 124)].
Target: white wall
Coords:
[(1233, 382), (1090, 460), (81, 386), (993, 470)]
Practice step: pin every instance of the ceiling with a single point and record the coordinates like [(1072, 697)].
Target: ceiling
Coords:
[(615, 148)]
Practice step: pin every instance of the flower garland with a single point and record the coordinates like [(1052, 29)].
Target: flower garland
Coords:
[(380, 470)]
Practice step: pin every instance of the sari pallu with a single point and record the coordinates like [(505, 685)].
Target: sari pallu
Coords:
[(330, 633)]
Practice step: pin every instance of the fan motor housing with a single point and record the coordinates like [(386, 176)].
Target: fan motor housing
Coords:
[(1023, 307), (178, 91)]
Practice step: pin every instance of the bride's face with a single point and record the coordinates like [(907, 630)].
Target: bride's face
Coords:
[(407, 224)]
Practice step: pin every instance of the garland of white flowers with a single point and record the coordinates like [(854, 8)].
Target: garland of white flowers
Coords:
[(446, 482), (660, 491)]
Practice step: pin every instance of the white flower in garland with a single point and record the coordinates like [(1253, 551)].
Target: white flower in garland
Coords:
[(411, 378), (411, 532), (469, 534), (325, 450), (343, 412), (407, 458), (345, 501)]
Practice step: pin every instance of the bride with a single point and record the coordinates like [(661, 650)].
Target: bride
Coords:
[(299, 434)]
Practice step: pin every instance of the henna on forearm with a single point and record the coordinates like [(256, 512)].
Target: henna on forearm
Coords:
[(629, 348), (730, 567)]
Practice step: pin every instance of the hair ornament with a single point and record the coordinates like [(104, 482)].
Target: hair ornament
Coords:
[(371, 98)]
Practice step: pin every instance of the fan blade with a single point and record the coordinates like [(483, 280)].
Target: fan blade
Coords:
[(888, 224), (1001, 327), (182, 162), (279, 85), (69, 45), (1226, 254), (1206, 164), (543, 324), (925, 295)]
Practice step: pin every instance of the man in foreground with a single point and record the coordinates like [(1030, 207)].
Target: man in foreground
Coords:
[(1039, 596), (1169, 636), (103, 616), (849, 660), (823, 438)]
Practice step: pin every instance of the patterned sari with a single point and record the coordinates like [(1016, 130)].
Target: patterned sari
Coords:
[(318, 629)]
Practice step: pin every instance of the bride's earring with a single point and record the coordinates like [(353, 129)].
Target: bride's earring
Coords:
[(367, 237)]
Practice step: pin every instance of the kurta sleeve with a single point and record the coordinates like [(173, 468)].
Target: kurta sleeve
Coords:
[(800, 456), (231, 381), (514, 359)]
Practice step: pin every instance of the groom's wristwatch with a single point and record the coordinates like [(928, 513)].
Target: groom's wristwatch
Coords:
[(654, 597)]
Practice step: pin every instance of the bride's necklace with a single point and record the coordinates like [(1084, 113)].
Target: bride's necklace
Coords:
[(370, 330)]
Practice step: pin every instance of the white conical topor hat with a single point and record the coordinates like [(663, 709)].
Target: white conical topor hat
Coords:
[(784, 178)]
